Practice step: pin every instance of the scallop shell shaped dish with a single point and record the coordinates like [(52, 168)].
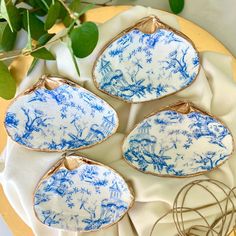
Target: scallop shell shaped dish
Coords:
[(56, 115), (147, 61), (81, 195), (178, 141)]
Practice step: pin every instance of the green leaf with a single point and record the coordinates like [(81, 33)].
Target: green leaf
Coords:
[(75, 6), (32, 3), (29, 41), (44, 4), (86, 8), (42, 41), (67, 20), (8, 39), (84, 39), (45, 38), (33, 64), (73, 57), (7, 83), (43, 53), (2, 27), (37, 8), (36, 25), (11, 14), (176, 6), (53, 14), (63, 12)]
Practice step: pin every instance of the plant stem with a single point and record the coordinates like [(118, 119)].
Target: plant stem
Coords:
[(34, 62), (29, 43), (10, 55), (74, 60), (71, 26), (28, 50), (68, 9), (45, 4), (24, 52), (73, 57)]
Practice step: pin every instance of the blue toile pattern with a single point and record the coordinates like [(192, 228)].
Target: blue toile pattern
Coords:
[(140, 67), (60, 119), (175, 144), (84, 199)]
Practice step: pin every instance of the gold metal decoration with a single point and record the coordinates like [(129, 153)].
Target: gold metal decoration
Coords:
[(221, 197)]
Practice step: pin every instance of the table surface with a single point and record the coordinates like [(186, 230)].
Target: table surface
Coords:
[(202, 39)]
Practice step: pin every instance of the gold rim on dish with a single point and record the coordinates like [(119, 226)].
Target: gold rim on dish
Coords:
[(147, 25), (66, 162), (182, 107), (51, 82)]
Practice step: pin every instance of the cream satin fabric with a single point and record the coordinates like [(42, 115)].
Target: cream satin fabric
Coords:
[(214, 91)]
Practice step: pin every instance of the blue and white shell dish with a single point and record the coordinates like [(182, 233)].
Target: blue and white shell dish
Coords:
[(82, 195), (57, 114), (147, 61), (178, 141)]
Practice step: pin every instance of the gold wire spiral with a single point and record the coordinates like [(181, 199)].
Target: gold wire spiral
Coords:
[(223, 200)]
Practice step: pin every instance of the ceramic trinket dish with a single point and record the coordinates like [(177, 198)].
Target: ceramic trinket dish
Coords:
[(147, 61), (178, 141), (57, 114), (79, 194)]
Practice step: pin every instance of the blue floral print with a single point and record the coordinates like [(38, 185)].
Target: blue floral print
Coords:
[(171, 143), (60, 119), (140, 67), (85, 199)]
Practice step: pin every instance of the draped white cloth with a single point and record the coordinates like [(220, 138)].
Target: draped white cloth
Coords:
[(215, 16), (214, 91)]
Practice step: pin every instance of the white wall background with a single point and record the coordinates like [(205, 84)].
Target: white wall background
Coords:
[(216, 16)]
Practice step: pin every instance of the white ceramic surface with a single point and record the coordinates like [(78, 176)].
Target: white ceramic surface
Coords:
[(178, 144), (138, 67), (63, 118), (86, 198)]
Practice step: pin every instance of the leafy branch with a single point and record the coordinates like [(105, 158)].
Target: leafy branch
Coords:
[(36, 18)]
